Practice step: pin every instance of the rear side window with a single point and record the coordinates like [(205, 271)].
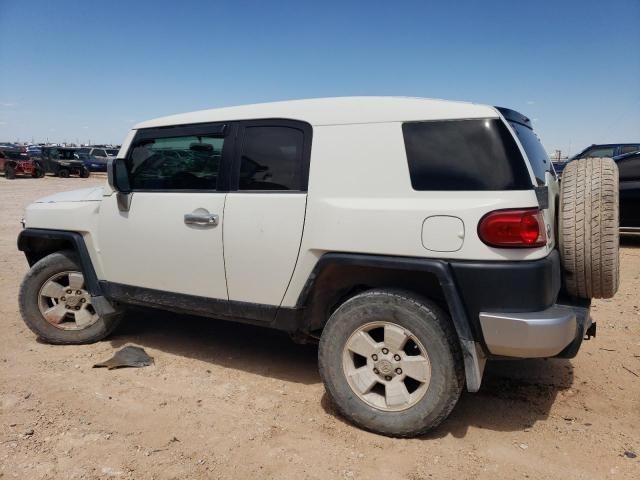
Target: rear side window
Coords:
[(537, 155), (464, 155), (629, 149), (271, 159)]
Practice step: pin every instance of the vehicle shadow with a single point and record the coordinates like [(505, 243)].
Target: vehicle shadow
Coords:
[(630, 241), (256, 350), (514, 395)]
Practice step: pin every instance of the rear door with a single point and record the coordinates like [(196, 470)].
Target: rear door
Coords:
[(265, 209), (629, 168)]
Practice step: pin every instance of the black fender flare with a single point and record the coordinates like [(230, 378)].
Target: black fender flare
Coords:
[(39, 242), (472, 351)]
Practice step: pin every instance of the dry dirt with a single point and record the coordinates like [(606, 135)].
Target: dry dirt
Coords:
[(225, 400)]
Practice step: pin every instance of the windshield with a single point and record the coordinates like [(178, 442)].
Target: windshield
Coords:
[(538, 157)]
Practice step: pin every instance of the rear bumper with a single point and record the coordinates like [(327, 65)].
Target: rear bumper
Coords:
[(555, 331)]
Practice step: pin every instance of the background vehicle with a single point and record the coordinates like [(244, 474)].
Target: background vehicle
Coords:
[(608, 150), (63, 162), (14, 163), (416, 240), (94, 164), (629, 168)]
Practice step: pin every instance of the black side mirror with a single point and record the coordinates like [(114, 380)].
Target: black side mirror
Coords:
[(119, 181), (118, 176)]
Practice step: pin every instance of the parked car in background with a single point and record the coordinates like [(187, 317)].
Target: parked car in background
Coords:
[(14, 163), (607, 150), (99, 152), (629, 168), (94, 164), (63, 162)]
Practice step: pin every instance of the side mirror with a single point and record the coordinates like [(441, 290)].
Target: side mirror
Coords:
[(119, 181)]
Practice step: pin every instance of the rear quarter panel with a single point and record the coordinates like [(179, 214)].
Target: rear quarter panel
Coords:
[(361, 200)]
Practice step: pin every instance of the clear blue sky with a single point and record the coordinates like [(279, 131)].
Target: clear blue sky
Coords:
[(90, 69)]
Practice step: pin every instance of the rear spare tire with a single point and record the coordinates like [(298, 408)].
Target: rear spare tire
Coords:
[(588, 227)]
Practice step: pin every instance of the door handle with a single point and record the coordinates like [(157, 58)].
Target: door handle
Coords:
[(203, 219)]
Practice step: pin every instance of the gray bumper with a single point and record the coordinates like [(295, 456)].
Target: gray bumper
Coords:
[(534, 334)]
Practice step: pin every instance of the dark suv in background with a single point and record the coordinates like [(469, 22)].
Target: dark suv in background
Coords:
[(629, 168), (607, 150)]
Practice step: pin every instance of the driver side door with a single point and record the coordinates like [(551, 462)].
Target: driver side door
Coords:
[(170, 240)]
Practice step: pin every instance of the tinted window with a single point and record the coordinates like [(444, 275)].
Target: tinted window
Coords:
[(629, 149), (629, 168), (98, 153), (175, 163), (537, 155), (271, 158), (464, 155), (600, 152)]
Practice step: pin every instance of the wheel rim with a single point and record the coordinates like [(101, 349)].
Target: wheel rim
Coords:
[(65, 303), (386, 366)]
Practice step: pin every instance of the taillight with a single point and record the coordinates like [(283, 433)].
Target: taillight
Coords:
[(522, 228)]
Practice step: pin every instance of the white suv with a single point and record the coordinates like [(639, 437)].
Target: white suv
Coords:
[(415, 238)]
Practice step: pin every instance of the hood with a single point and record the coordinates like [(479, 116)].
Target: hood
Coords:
[(92, 194)]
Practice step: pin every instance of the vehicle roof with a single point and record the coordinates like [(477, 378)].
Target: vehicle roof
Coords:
[(335, 111), (611, 145)]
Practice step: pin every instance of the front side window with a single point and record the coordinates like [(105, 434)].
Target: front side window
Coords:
[(98, 153), (271, 158), (175, 163), (464, 155)]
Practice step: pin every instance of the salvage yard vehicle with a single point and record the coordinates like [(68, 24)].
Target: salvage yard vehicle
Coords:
[(629, 168), (14, 163), (415, 238), (63, 162)]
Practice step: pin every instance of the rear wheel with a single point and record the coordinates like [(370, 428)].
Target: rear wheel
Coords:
[(56, 306), (10, 172), (38, 173), (84, 172), (391, 363), (64, 173), (589, 227)]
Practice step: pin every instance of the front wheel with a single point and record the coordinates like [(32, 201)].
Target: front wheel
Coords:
[(63, 173), (84, 172), (56, 306), (391, 363), (10, 172)]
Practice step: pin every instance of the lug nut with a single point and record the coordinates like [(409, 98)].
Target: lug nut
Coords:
[(387, 378), (375, 370), (399, 371), (67, 307), (69, 292), (385, 350), (77, 308), (63, 299), (374, 357), (82, 300), (78, 292), (396, 357)]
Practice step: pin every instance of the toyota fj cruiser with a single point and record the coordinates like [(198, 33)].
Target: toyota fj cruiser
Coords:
[(415, 238)]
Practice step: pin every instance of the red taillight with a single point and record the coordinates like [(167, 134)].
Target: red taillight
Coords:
[(513, 228)]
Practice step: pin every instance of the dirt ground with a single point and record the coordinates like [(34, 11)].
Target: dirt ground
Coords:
[(225, 400)]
